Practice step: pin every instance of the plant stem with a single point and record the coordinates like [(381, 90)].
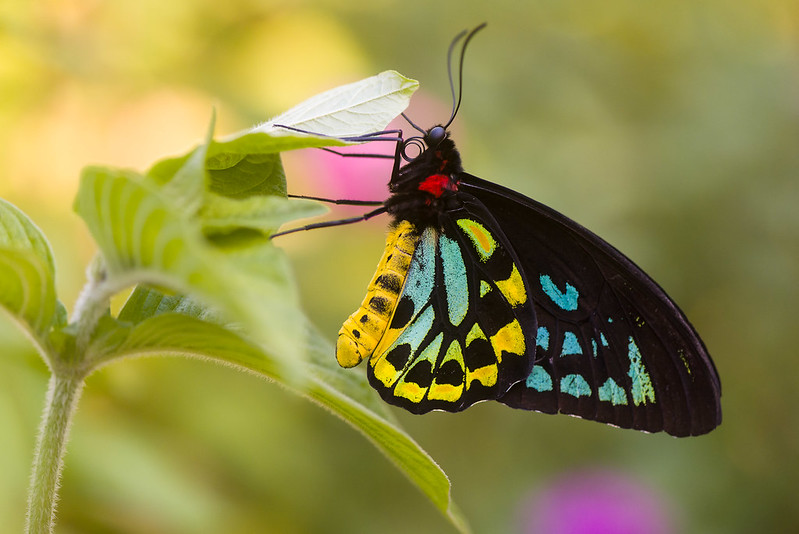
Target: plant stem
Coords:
[(62, 397)]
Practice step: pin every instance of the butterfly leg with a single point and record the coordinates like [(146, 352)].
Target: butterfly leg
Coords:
[(341, 202), (337, 222)]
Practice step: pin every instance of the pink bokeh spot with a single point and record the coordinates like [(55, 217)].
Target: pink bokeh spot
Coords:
[(315, 172), (356, 178), (596, 502)]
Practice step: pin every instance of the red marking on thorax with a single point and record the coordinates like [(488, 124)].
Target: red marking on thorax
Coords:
[(443, 161), (436, 184)]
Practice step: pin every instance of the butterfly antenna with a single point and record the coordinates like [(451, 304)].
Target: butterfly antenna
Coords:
[(449, 72), (413, 124), (456, 103)]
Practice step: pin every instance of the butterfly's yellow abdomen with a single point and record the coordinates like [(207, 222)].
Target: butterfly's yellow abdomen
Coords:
[(363, 330)]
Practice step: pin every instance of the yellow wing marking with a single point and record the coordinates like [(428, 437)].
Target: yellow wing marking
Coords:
[(475, 333), (448, 392), (513, 288), (481, 238), (385, 372), (509, 338), (486, 375), (410, 390)]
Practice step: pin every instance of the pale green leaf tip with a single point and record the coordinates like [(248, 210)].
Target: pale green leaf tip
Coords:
[(411, 84)]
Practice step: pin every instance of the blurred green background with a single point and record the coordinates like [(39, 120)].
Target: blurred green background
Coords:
[(669, 128)]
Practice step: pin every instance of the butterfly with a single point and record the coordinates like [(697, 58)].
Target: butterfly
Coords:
[(485, 294)]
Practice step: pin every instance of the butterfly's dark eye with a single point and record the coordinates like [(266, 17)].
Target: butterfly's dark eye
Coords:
[(435, 136)]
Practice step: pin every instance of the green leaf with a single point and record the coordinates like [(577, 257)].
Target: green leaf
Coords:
[(144, 240), (262, 213), (145, 302), (27, 273), (345, 394), (165, 169), (17, 231), (26, 290), (241, 176)]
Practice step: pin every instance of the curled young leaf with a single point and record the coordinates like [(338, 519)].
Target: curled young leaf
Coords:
[(27, 273)]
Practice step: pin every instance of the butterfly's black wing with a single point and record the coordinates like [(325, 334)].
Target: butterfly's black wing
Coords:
[(611, 345)]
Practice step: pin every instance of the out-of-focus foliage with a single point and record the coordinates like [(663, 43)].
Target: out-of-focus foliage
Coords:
[(669, 128)]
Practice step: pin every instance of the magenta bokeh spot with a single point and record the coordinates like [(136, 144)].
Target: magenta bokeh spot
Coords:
[(596, 502), (319, 173)]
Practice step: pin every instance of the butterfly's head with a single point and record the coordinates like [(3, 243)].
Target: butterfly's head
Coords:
[(430, 148), (431, 153), (434, 136)]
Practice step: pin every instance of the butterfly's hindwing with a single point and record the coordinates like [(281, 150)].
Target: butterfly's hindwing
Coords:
[(610, 344), (459, 331)]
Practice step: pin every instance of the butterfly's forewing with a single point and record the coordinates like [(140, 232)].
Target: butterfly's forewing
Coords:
[(461, 331), (611, 345)]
